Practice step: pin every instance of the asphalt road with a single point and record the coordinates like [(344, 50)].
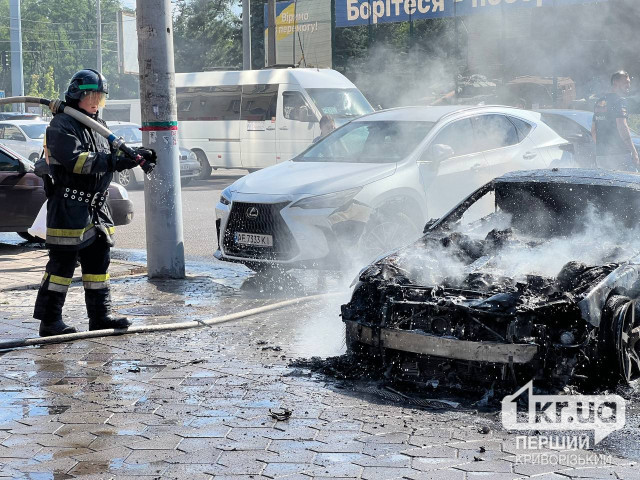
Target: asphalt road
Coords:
[(198, 216)]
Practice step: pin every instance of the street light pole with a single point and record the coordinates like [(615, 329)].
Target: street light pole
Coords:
[(246, 34), (163, 199), (271, 57), (17, 78), (99, 39)]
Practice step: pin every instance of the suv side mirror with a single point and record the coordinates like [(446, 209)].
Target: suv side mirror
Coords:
[(436, 154), (22, 168)]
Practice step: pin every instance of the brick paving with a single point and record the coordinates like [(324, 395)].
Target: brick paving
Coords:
[(195, 404)]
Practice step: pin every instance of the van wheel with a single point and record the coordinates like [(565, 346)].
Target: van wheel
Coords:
[(34, 157), (205, 168)]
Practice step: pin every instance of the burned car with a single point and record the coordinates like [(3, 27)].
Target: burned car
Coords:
[(534, 275)]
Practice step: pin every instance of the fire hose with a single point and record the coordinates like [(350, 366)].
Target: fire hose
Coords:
[(169, 327), (58, 106)]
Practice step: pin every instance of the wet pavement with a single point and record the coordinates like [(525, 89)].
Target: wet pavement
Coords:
[(199, 403)]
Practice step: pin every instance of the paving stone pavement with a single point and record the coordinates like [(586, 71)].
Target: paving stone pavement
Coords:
[(196, 404)]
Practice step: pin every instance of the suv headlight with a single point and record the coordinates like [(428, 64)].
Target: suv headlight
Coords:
[(330, 200), (225, 196), (192, 156)]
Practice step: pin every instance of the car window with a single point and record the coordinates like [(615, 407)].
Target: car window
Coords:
[(562, 125), (296, 108), (259, 102), (219, 103), (10, 132), (495, 131), (522, 127), (460, 136), (7, 163), (368, 142), (35, 131), (129, 133)]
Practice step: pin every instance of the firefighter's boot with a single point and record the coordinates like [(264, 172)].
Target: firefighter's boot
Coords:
[(49, 303), (99, 311)]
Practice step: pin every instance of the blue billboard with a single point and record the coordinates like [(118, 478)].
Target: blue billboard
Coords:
[(350, 13)]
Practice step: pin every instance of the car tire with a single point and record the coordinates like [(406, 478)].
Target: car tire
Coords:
[(30, 238), (34, 157), (205, 168), (385, 230), (127, 179), (619, 340)]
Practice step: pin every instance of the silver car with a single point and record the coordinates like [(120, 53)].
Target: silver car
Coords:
[(134, 178), (23, 136)]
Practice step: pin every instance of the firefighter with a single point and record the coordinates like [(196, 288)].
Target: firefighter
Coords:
[(79, 223)]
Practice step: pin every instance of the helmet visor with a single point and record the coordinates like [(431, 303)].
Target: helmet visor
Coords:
[(99, 98)]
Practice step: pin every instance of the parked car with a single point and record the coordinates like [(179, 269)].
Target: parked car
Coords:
[(134, 178), (19, 116), (22, 196), (575, 126), (23, 136), (545, 286), (370, 185)]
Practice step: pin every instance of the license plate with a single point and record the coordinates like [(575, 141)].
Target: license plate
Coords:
[(254, 239), (185, 167)]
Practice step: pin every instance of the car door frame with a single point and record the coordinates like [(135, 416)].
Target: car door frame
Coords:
[(287, 143), (437, 186)]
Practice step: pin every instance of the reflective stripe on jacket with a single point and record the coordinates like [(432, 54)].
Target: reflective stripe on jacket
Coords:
[(82, 160)]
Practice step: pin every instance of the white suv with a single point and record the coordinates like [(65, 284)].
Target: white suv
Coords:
[(23, 136), (371, 185)]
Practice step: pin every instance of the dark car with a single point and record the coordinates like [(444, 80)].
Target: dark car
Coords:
[(545, 286), (22, 196), (575, 126)]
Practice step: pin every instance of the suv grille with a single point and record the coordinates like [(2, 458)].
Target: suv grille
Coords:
[(267, 222)]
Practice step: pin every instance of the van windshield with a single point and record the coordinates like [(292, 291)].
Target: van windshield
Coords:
[(368, 142), (340, 102)]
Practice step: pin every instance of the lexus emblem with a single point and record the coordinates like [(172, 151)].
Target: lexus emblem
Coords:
[(252, 212)]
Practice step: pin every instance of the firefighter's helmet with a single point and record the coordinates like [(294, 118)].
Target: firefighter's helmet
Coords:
[(85, 81)]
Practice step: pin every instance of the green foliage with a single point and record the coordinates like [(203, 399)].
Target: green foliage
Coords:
[(207, 35), (59, 38)]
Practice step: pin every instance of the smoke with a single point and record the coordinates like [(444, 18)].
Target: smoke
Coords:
[(506, 245)]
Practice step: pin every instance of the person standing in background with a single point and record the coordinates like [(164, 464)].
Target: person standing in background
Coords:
[(610, 130)]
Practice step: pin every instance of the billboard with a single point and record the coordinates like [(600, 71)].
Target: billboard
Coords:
[(303, 33), (350, 13)]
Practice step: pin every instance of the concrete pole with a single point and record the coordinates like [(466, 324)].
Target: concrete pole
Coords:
[(17, 78), (246, 34), (163, 200), (271, 57), (99, 39)]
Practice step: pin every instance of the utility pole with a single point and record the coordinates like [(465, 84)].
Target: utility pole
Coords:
[(99, 39), (271, 57), (163, 200), (17, 79), (246, 34)]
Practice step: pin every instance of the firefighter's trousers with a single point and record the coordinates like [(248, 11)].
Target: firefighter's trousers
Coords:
[(94, 261)]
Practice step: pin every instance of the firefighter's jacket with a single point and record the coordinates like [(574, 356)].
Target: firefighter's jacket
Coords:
[(81, 165)]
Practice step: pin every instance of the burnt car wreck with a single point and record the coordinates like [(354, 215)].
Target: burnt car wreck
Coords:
[(543, 286)]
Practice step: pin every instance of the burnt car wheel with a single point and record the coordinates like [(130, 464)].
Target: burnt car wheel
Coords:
[(384, 232), (627, 335), (621, 337)]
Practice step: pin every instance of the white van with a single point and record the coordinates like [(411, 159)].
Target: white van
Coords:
[(122, 111), (255, 118)]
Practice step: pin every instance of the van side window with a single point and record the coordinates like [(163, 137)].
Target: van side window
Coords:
[(259, 102), (208, 103), (295, 107)]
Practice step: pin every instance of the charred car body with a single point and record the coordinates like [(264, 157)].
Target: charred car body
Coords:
[(545, 286)]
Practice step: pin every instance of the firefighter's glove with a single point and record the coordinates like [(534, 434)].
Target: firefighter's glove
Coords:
[(146, 158), (123, 162)]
